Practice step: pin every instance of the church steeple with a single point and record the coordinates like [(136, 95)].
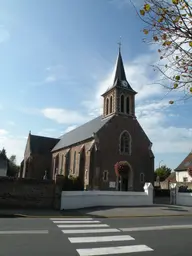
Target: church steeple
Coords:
[(120, 71), (120, 76), (120, 97)]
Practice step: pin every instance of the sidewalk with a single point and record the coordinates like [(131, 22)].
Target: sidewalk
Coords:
[(102, 212), (148, 211)]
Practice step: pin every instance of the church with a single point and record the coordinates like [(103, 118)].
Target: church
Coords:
[(91, 150)]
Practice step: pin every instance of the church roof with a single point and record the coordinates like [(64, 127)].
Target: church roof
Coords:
[(41, 144), (81, 133), (185, 164), (120, 79)]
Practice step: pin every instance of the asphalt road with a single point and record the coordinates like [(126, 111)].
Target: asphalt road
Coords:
[(86, 237)]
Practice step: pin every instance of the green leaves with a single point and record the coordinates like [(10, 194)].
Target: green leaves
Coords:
[(147, 7), (142, 12), (164, 22), (145, 31), (175, 2)]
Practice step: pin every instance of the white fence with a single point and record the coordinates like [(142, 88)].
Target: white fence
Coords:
[(180, 198), (84, 199)]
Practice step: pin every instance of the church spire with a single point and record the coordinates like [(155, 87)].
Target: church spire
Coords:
[(120, 71)]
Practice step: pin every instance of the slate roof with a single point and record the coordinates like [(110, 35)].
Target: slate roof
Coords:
[(120, 76), (42, 145), (171, 177), (82, 132), (185, 164)]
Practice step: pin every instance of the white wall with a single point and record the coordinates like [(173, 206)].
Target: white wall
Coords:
[(181, 175), (184, 199), (83, 199), (3, 172), (180, 198)]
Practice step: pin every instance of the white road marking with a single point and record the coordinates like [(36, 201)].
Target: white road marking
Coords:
[(113, 250), (95, 239), (22, 232), (156, 228), (75, 221), (84, 226), (71, 218), (86, 231)]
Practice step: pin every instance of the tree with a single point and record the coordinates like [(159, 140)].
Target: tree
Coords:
[(162, 172), (12, 169), (3, 153), (169, 25)]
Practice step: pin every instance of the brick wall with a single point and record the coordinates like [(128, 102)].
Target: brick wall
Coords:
[(28, 193)]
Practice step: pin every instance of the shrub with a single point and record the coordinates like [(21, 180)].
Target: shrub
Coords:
[(184, 189), (72, 183)]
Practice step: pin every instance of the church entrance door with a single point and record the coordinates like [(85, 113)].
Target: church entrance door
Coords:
[(124, 176)]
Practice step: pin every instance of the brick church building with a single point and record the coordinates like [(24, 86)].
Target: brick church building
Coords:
[(91, 150)]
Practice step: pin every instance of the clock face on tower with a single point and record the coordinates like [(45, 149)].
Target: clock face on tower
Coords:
[(124, 83)]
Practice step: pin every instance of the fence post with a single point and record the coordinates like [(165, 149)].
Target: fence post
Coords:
[(148, 188), (173, 193)]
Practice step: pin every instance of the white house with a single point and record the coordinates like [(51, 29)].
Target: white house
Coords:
[(3, 166), (182, 171)]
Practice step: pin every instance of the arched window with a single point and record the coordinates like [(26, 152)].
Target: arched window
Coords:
[(107, 106), (122, 103), (127, 105), (74, 162), (125, 143), (111, 104)]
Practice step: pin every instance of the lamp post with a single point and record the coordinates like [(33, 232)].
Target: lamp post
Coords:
[(160, 163)]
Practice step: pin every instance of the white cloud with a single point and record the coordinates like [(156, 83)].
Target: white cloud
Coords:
[(3, 132), (4, 34), (14, 145), (64, 116)]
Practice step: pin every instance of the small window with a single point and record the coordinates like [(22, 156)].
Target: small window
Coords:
[(122, 103), (107, 106), (127, 105), (185, 179), (74, 163), (86, 174), (61, 169), (105, 176), (111, 104), (142, 177)]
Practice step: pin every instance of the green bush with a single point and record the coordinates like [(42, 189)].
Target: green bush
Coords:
[(72, 184)]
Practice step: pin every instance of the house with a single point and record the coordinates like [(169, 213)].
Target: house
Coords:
[(166, 183), (3, 166), (37, 157), (91, 150), (182, 171)]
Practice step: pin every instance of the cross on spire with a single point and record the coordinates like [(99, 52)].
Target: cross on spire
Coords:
[(119, 43)]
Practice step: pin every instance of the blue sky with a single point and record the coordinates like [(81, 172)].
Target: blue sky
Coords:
[(57, 57)]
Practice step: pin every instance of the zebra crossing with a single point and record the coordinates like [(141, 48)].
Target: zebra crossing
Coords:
[(79, 232)]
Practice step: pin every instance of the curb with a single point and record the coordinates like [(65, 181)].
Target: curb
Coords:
[(103, 217), (12, 215)]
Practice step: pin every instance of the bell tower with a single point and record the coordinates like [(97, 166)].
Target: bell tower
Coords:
[(119, 99)]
